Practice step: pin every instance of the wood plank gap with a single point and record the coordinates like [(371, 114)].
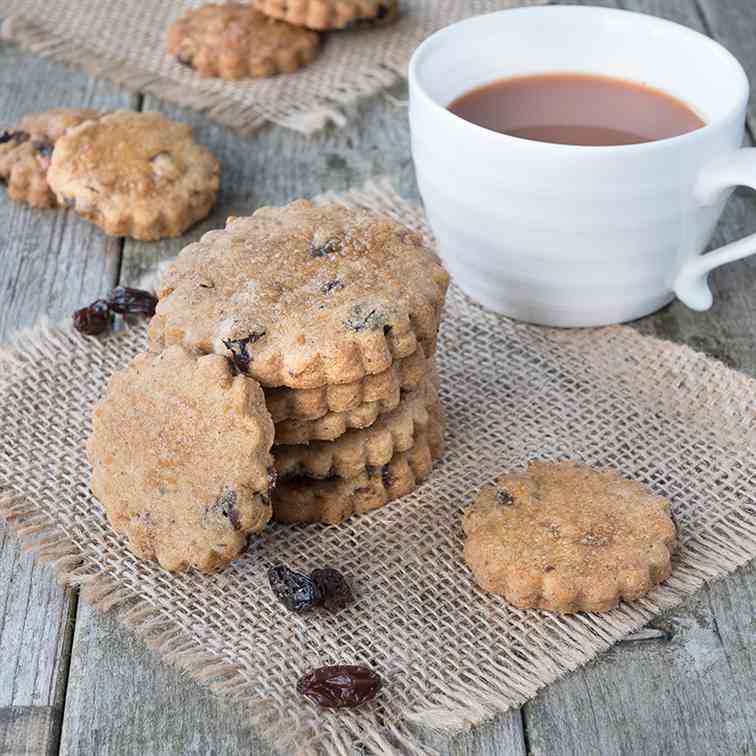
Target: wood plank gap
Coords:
[(61, 686)]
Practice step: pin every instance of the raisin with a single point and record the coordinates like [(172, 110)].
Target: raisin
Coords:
[(44, 149), (340, 686), (504, 498), (185, 60), (334, 285), (362, 320), (386, 476), (387, 329), (126, 301), (94, 319), (240, 352), (333, 587), (327, 248), (223, 512), (17, 137), (297, 592)]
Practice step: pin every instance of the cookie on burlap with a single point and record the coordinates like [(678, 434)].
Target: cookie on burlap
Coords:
[(341, 398), (26, 151), (135, 174), (333, 500), (568, 538), (304, 296), (235, 41), (355, 450), (180, 455), (330, 14)]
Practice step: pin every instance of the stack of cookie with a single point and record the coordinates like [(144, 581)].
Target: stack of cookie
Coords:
[(265, 37), (335, 313)]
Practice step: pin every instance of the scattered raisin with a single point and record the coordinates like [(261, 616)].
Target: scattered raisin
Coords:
[(17, 137), (126, 301), (549, 568), (340, 686), (240, 352), (334, 589), (334, 285), (297, 592), (327, 248), (94, 319), (504, 498), (44, 149), (387, 329)]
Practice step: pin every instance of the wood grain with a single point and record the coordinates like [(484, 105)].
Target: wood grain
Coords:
[(50, 261)]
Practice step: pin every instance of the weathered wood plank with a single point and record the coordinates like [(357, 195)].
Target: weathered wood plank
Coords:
[(49, 262), (733, 24), (123, 700), (29, 730)]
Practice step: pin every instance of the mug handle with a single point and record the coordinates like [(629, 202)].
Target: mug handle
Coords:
[(691, 283)]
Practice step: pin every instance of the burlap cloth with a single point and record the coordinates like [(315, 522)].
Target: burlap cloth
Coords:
[(124, 40), (450, 655)]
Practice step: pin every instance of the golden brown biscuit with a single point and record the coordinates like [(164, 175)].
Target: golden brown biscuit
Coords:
[(568, 538), (180, 455), (235, 41), (342, 398), (304, 296), (334, 500), (135, 174), (26, 151), (330, 14), (351, 453)]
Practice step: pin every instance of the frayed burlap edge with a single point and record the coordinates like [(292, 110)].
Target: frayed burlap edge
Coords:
[(307, 117), (708, 556)]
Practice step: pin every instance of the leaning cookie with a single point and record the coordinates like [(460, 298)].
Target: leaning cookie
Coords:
[(135, 174), (568, 538), (180, 455), (304, 296), (333, 500), (330, 14), (342, 398), (235, 41), (26, 151)]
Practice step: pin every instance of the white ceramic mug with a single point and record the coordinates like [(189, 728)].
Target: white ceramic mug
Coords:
[(568, 235)]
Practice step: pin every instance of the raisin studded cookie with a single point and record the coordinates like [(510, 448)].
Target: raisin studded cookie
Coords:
[(180, 455), (26, 151), (235, 41), (335, 499), (304, 296), (135, 174), (568, 538), (341, 398), (373, 446), (330, 14)]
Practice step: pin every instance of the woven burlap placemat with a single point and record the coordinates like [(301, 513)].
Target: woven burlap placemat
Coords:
[(125, 41), (451, 656)]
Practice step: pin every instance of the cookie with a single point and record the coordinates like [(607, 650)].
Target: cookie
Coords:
[(135, 174), (235, 41), (342, 398), (330, 14), (568, 538), (373, 446), (333, 500), (180, 455), (26, 150), (304, 296)]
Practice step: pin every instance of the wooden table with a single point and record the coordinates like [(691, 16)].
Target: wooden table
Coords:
[(75, 682)]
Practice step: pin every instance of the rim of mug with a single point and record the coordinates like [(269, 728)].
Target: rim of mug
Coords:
[(696, 134)]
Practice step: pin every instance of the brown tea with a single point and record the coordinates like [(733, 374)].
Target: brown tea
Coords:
[(582, 109)]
